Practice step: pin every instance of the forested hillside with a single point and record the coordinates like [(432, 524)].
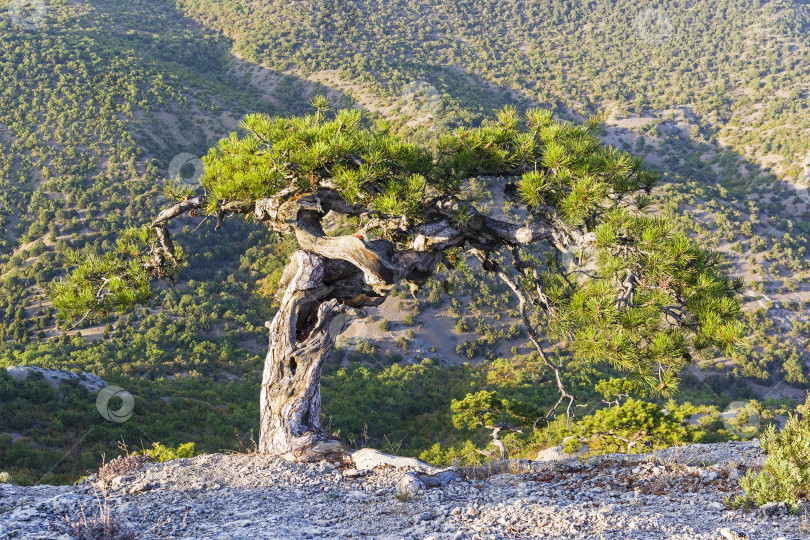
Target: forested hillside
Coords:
[(740, 65), (98, 98)]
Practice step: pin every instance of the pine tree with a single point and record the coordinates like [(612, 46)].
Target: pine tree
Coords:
[(594, 275)]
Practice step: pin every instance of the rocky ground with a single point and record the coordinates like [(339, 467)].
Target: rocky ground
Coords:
[(674, 494)]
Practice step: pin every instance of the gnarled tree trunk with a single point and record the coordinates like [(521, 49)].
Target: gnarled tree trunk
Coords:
[(302, 334), (328, 277)]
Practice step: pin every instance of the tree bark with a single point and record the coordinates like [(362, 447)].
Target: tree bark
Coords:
[(329, 276), (302, 334)]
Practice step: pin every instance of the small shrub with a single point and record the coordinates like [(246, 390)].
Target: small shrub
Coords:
[(403, 343), (468, 348), (634, 427), (405, 497), (462, 325), (5, 478), (364, 347), (385, 325), (161, 453), (786, 475)]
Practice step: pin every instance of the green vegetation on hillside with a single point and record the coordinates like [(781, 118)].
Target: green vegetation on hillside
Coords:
[(785, 478), (97, 101), (740, 64)]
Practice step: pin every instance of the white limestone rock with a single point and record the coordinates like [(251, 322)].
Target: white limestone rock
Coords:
[(368, 458), (57, 377)]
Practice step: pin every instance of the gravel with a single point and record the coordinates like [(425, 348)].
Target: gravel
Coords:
[(673, 494)]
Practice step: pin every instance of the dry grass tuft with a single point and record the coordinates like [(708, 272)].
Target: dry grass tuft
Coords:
[(102, 526), (493, 468), (120, 466)]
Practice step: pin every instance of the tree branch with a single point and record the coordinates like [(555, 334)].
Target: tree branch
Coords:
[(535, 338), (178, 209)]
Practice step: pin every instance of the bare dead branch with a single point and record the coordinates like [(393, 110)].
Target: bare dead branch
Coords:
[(178, 209)]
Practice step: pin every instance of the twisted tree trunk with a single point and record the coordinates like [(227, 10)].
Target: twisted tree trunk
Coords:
[(302, 334), (328, 277)]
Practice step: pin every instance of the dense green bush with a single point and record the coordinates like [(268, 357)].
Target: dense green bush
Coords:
[(161, 453), (634, 427), (786, 475)]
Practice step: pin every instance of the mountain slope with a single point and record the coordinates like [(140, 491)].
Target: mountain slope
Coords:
[(100, 97)]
